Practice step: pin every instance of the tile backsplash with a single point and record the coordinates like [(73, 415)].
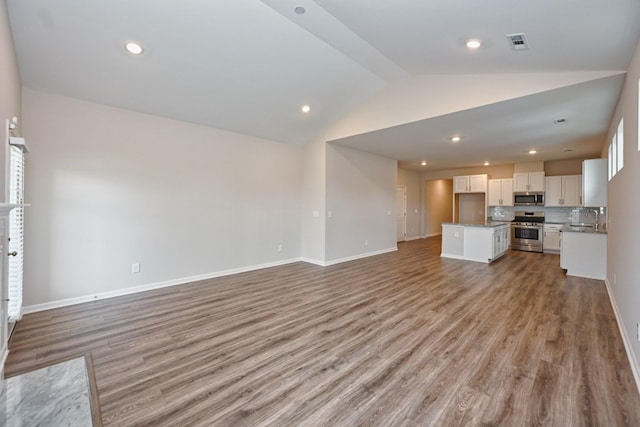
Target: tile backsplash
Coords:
[(559, 215)]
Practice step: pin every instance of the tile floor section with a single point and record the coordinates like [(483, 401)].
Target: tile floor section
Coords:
[(57, 395)]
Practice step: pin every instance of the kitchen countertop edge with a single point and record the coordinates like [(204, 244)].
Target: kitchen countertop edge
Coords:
[(488, 224)]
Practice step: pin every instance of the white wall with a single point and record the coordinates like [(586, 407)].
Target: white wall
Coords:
[(623, 268), (411, 180), (110, 187), (361, 198), (313, 203), (10, 87)]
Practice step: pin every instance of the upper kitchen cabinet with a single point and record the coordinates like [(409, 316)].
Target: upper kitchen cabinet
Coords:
[(563, 190), (594, 183), (470, 184), (528, 181), (500, 192)]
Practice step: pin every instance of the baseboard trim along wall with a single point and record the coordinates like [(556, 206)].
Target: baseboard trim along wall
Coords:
[(185, 280), (351, 258), (151, 286), (355, 257), (431, 235), (633, 361)]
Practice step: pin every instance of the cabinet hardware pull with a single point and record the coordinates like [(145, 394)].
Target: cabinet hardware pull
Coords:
[(14, 253)]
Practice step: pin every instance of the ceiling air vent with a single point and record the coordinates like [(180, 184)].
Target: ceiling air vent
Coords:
[(518, 41), (560, 120)]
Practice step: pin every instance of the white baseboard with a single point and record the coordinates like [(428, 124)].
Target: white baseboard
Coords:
[(351, 258), (442, 255), (633, 360), (412, 238), (150, 286), (184, 280), (426, 236), (313, 261)]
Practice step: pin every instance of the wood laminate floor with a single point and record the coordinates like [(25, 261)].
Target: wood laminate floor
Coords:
[(401, 339)]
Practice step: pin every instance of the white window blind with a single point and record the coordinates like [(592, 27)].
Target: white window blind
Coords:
[(16, 232)]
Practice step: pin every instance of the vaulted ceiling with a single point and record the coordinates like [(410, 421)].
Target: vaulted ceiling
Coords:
[(389, 77)]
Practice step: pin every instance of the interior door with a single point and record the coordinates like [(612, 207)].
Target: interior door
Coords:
[(401, 209)]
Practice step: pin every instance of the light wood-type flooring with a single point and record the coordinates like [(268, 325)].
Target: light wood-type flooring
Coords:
[(400, 339)]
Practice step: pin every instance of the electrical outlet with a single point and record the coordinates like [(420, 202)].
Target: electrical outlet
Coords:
[(135, 268), (279, 248), (638, 331), (366, 242)]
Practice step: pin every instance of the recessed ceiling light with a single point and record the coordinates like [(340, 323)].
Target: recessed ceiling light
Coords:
[(424, 163), (532, 151), (134, 48), (487, 163), (305, 108), (300, 10), (455, 139), (473, 44)]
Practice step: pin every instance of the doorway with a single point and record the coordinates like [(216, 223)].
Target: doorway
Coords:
[(438, 204)]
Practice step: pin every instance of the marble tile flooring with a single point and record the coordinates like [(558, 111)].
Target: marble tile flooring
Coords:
[(57, 395)]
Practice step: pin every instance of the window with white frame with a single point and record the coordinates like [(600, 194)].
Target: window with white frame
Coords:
[(16, 230), (616, 150), (620, 141)]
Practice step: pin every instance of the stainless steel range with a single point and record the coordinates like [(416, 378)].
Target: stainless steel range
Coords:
[(526, 231)]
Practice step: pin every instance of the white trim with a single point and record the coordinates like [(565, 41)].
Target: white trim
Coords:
[(633, 360), (149, 287), (350, 258), (412, 238), (431, 235), (454, 257), (185, 280), (313, 261), (364, 255)]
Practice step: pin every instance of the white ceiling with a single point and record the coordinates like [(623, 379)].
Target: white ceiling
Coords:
[(248, 66)]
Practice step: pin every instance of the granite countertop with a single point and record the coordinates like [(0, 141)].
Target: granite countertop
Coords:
[(488, 224), (579, 228)]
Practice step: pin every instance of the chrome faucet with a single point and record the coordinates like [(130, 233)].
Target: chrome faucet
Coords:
[(596, 225)]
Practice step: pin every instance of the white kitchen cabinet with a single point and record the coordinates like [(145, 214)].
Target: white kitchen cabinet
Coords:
[(485, 244), (528, 181), (452, 241), (563, 190), (481, 243), (584, 254), (594, 183), (551, 238), (501, 192), (470, 184)]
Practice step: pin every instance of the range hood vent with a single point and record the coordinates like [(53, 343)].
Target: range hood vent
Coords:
[(518, 41)]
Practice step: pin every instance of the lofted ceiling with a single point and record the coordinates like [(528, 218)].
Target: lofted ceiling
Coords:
[(392, 78)]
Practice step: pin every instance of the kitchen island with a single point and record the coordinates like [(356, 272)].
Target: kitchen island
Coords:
[(484, 242), (583, 251)]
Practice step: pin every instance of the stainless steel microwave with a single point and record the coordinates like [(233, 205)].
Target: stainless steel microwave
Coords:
[(528, 199)]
